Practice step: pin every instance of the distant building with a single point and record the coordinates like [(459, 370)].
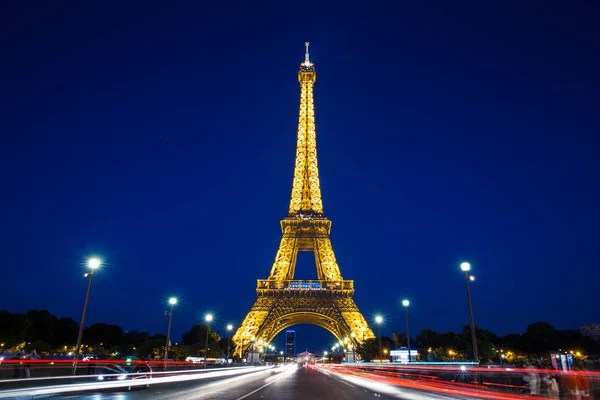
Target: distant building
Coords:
[(305, 357), (401, 355), (592, 331), (290, 343)]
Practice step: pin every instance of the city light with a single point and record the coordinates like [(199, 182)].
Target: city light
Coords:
[(405, 303), (465, 266), (94, 263), (173, 301), (229, 327), (379, 319), (208, 317)]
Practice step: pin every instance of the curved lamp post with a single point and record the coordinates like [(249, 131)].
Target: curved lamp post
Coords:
[(93, 264), (406, 303), (466, 267), (229, 328), (379, 320), (172, 302), (208, 318)]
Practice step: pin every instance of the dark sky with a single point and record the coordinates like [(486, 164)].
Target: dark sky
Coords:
[(161, 137)]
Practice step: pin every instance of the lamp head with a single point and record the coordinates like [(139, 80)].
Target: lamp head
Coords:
[(405, 303), (173, 301), (465, 266), (229, 327), (94, 263), (208, 317), (379, 319)]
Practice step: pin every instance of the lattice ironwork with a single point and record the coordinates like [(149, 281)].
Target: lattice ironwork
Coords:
[(282, 300)]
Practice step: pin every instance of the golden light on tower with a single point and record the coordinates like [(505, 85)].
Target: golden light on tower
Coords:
[(328, 301)]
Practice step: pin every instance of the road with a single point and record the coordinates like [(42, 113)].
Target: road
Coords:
[(291, 383)]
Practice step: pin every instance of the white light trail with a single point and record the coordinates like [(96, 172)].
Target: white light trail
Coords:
[(94, 386)]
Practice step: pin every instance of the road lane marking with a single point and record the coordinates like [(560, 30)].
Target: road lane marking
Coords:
[(260, 388), (340, 380)]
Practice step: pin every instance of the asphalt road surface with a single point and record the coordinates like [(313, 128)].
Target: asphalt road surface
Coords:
[(300, 383)]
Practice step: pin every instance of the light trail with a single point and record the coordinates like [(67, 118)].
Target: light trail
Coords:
[(392, 385), (157, 371), (95, 386), (291, 369)]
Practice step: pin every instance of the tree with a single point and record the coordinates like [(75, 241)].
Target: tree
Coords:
[(486, 343), (540, 337), (65, 332), (103, 334), (13, 328), (154, 346), (197, 335), (42, 326), (369, 349), (133, 340)]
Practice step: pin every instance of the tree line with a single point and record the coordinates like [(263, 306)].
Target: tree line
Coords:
[(539, 340), (47, 334)]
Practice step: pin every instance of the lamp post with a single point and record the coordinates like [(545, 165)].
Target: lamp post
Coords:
[(379, 320), (172, 302), (251, 349), (207, 318), (93, 264), (406, 303), (466, 267), (229, 328)]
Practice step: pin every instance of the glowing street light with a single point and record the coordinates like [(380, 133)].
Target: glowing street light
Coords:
[(93, 264), (208, 318), (466, 267), (172, 302), (406, 303), (229, 328)]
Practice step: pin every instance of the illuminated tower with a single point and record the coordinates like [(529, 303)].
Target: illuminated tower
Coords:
[(282, 300)]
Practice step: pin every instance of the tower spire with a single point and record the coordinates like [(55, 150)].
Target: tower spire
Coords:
[(306, 59), (306, 191)]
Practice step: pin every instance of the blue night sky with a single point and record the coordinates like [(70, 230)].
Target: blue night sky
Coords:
[(161, 137)]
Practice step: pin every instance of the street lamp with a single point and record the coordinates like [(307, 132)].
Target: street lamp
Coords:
[(229, 328), (172, 302), (406, 303), (379, 320), (93, 264), (207, 318), (466, 267)]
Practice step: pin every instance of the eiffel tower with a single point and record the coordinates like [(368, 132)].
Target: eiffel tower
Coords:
[(282, 300)]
